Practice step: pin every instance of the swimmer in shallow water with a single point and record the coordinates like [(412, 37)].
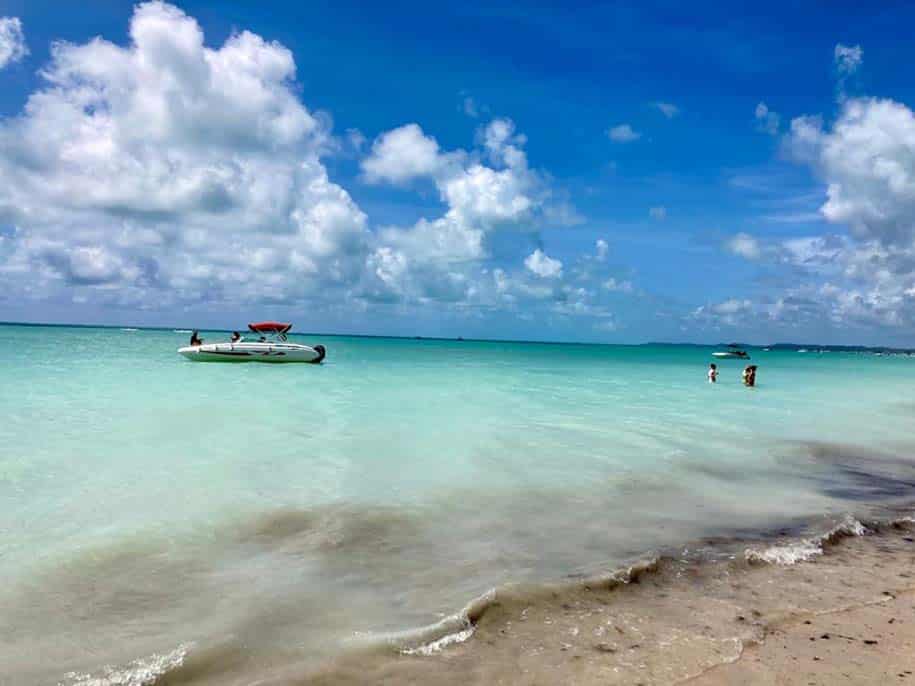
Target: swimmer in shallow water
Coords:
[(713, 373), (749, 375)]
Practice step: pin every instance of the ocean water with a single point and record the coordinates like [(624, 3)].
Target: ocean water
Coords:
[(155, 510)]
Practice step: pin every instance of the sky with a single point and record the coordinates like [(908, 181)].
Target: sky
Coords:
[(593, 172)]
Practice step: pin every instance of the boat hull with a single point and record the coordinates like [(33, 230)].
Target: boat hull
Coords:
[(277, 353), (734, 356)]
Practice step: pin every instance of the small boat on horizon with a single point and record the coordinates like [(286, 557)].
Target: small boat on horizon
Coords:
[(271, 346), (739, 354), (732, 352)]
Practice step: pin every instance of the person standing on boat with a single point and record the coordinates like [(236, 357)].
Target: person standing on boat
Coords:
[(196, 339), (236, 337)]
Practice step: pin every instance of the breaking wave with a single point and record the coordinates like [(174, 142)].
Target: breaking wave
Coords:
[(806, 549), (141, 672), (461, 626)]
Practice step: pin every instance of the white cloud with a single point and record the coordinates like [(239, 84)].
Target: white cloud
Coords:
[(602, 248), (616, 285), (767, 121), (12, 41), (848, 58), (669, 110), (402, 154), (175, 171), (731, 306), (486, 197), (487, 190), (744, 245), (470, 107), (730, 312), (623, 133), (658, 213), (867, 161), (443, 240), (543, 266), (356, 139), (165, 173)]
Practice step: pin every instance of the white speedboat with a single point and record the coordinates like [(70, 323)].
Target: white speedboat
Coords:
[(739, 354), (271, 346)]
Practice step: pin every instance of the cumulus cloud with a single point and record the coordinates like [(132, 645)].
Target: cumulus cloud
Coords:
[(744, 245), (834, 280), (623, 133), (543, 266), (867, 161), (486, 190), (402, 154), (12, 41), (175, 171), (767, 121), (168, 173), (669, 110)]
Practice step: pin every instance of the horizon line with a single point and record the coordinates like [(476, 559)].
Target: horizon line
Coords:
[(822, 346)]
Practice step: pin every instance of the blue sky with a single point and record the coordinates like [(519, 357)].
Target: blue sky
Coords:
[(619, 174)]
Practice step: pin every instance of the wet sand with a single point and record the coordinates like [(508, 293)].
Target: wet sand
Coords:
[(844, 616)]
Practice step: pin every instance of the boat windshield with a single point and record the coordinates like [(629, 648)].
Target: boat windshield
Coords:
[(266, 336)]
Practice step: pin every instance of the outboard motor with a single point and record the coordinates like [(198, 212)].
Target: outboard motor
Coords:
[(321, 353)]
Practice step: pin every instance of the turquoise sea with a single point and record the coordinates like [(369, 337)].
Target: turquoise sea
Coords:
[(154, 509)]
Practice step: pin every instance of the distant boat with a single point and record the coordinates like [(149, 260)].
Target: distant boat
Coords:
[(739, 354), (182, 331), (802, 350), (129, 329), (734, 352)]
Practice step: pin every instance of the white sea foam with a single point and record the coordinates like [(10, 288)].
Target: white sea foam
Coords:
[(142, 672), (786, 554), (808, 548), (441, 643)]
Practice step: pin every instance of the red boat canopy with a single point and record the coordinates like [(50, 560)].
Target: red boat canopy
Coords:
[(270, 327)]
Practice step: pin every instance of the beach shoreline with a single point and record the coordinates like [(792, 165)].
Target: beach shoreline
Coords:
[(835, 608), (822, 617)]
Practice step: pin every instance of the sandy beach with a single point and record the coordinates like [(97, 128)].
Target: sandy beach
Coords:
[(846, 615)]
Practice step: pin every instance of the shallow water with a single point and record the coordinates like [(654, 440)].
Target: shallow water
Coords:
[(148, 503)]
